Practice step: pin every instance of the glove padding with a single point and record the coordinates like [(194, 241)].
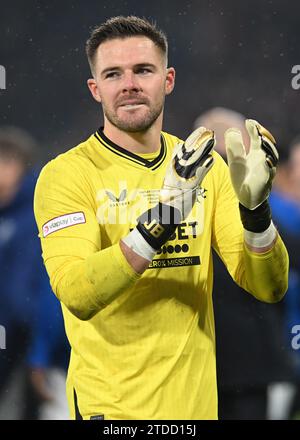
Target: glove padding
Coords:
[(251, 174), (190, 163)]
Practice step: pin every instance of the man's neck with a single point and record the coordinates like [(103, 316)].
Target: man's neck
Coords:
[(139, 143)]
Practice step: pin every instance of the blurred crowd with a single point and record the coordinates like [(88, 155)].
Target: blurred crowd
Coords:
[(33, 364), (258, 369)]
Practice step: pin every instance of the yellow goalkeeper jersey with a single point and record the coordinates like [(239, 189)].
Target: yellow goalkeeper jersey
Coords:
[(149, 353)]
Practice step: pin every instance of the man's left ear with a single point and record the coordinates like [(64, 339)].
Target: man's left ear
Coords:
[(170, 80), (92, 85)]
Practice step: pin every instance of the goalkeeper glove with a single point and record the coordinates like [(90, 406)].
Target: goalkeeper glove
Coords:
[(252, 174), (190, 163)]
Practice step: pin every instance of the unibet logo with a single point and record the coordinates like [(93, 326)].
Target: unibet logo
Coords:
[(183, 232), (177, 249)]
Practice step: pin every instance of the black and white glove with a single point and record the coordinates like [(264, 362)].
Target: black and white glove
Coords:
[(190, 163)]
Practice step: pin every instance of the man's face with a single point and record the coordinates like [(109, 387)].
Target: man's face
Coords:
[(131, 81)]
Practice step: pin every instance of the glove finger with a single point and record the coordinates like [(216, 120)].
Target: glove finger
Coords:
[(200, 143), (234, 145), (272, 155), (201, 149), (265, 141), (177, 149), (203, 145), (203, 161), (204, 168), (186, 149), (255, 139), (192, 139), (207, 164), (268, 145)]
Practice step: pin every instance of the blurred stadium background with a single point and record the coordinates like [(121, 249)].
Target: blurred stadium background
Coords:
[(233, 54)]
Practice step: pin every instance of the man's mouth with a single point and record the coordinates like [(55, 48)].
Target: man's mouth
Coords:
[(131, 106)]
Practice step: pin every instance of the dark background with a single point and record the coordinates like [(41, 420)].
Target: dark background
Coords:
[(229, 53)]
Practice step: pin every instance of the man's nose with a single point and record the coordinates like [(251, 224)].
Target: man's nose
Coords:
[(130, 82)]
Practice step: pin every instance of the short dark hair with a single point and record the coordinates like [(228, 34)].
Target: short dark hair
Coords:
[(124, 27)]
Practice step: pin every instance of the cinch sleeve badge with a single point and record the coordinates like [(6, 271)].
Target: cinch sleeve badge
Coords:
[(63, 221)]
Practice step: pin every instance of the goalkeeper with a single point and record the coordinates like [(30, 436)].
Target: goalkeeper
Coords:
[(127, 220)]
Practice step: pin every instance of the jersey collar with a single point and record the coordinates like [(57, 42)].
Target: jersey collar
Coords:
[(119, 151)]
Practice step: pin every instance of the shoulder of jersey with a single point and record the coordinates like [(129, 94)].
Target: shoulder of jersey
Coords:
[(70, 158)]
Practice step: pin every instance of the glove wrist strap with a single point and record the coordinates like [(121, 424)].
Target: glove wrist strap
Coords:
[(135, 241), (258, 219), (158, 224), (261, 239)]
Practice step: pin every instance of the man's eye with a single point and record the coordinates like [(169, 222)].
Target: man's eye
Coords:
[(111, 74), (144, 70)]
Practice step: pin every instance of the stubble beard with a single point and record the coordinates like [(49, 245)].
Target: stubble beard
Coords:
[(134, 124)]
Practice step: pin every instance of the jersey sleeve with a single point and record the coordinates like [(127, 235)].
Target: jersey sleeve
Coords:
[(82, 274), (227, 229), (263, 275)]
